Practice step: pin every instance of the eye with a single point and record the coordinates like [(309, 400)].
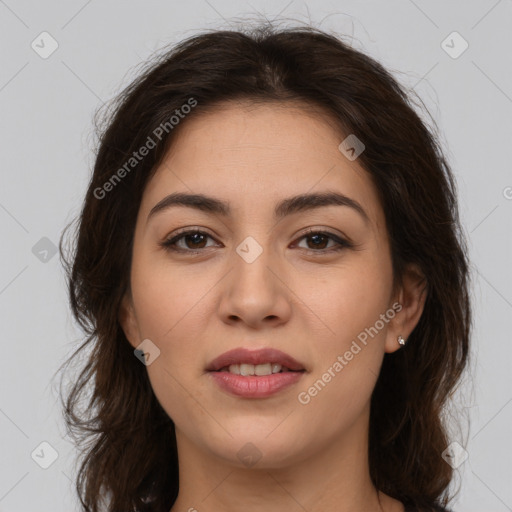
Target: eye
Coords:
[(320, 238), (194, 241), (196, 238)]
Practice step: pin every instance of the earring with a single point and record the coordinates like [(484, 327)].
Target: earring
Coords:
[(401, 340)]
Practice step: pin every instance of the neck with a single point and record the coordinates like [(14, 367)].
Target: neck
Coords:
[(335, 478)]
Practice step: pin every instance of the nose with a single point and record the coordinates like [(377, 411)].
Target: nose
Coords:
[(255, 291)]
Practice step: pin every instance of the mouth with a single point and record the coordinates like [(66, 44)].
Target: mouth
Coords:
[(247, 369), (266, 361), (255, 374)]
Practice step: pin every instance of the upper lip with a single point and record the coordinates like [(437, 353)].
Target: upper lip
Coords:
[(261, 356)]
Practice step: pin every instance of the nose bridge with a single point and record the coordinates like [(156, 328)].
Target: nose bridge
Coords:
[(253, 291), (250, 250), (251, 262)]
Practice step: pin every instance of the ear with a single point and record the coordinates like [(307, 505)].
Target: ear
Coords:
[(128, 320), (411, 296)]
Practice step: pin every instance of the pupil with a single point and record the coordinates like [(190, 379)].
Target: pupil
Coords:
[(195, 237), (317, 237)]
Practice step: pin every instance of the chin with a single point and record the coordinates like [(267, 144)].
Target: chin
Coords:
[(255, 448)]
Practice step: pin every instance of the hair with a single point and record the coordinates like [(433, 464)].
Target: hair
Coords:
[(129, 454)]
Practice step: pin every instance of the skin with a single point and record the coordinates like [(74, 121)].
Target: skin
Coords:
[(309, 305)]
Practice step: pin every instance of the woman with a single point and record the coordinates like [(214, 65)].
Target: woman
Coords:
[(271, 273)]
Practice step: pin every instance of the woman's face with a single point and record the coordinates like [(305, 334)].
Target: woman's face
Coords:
[(257, 280)]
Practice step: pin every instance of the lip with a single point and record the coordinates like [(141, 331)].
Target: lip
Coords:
[(255, 387), (261, 386), (261, 356)]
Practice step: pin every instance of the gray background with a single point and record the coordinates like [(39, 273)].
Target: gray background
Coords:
[(46, 125)]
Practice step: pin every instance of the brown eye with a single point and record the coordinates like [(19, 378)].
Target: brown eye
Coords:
[(197, 240), (192, 240), (317, 241)]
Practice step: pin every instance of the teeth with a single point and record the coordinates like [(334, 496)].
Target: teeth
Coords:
[(258, 369), (247, 369), (234, 368), (276, 368), (263, 369)]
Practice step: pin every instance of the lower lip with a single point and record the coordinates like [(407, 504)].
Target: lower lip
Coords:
[(255, 386)]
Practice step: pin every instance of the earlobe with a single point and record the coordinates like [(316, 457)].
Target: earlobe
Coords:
[(128, 321), (411, 297)]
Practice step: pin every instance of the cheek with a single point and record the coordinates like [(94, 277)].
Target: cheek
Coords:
[(350, 298), (170, 299), (347, 363), (349, 356), (171, 321), (170, 308)]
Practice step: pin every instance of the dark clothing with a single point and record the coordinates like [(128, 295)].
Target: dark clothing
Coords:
[(436, 508)]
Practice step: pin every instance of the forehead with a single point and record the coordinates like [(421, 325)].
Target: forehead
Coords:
[(267, 130), (255, 154)]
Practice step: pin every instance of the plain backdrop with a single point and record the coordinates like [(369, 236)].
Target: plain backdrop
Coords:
[(47, 103)]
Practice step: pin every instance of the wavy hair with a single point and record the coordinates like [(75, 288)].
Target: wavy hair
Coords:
[(128, 446)]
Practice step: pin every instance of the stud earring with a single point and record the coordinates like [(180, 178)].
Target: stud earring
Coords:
[(401, 340)]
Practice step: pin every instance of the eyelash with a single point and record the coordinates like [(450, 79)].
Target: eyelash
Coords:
[(169, 244)]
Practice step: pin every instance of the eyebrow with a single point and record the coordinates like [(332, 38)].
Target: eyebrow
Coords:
[(288, 206)]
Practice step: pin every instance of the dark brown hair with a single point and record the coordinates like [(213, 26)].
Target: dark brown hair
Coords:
[(129, 458)]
